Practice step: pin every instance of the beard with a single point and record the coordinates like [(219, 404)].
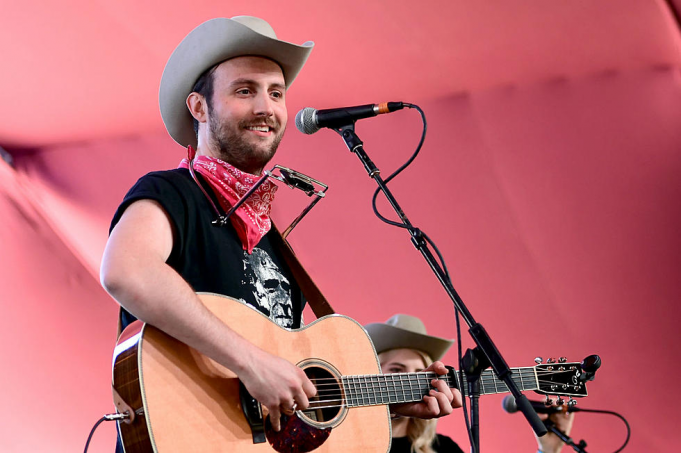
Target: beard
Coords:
[(229, 140)]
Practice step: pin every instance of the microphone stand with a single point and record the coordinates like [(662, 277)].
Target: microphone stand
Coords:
[(486, 353), (564, 437)]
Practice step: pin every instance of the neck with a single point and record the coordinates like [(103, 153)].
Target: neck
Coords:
[(399, 426), (203, 150)]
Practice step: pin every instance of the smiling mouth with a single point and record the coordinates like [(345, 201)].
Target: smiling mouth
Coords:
[(259, 128)]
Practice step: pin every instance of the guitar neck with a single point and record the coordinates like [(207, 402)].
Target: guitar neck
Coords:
[(396, 388)]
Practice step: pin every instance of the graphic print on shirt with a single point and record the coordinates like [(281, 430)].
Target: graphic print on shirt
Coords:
[(271, 289)]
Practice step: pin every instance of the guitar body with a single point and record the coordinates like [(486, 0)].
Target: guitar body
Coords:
[(186, 402)]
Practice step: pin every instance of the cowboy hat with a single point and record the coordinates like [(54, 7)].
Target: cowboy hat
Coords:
[(213, 42), (408, 332)]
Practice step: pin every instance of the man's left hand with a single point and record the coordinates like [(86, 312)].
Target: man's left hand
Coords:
[(439, 402)]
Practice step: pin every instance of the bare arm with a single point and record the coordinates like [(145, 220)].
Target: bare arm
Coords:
[(135, 273)]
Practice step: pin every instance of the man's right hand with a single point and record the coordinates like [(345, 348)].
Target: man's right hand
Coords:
[(277, 384)]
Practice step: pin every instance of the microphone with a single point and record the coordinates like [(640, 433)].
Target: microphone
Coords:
[(309, 120), (511, 407)]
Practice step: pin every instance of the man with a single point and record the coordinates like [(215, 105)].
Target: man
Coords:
[(404, 346), (223, 93)]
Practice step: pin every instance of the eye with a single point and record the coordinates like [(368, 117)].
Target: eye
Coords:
[(277, 94), (243, 91)]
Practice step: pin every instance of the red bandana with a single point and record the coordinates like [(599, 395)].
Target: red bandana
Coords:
[(252, 219)]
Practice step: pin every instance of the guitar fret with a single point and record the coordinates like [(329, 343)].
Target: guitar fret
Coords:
[(348, 392), (361, 391), (351, 389), (367, 391), (425, 387), (373, 389), (401, 396), (392, 394), (385, 395)]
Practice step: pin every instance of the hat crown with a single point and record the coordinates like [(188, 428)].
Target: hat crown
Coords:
[(406, 322), (256, 24)]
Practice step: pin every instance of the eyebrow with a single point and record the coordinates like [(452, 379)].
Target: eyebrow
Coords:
[(251, 82)]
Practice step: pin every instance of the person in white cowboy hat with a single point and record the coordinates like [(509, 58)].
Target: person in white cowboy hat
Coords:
[(404, 346), (223, 97)]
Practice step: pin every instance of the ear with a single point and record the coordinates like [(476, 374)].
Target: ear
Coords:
[(196, 104)]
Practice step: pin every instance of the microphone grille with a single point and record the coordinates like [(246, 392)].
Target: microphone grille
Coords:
[(305, 121), (509, 404)]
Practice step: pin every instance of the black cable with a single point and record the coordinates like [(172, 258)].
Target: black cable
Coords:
[(416, 232), (399, 170), (598, 411), (108, 418), (439, 255), (89, 438)]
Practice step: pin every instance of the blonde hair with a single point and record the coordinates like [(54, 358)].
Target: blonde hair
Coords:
[(421, 433)]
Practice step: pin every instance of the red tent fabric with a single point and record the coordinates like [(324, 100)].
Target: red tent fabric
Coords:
[(549, 181)]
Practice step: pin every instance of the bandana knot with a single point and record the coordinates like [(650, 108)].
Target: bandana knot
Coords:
[(252, 220)]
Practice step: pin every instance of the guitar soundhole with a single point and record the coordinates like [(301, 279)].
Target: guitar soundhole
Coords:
[(307, 430), (328, 402)]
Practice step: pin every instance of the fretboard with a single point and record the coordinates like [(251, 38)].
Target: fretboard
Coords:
[(395, 388)]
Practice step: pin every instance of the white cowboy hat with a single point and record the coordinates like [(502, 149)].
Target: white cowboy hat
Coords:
[(406, 332), (213, 42)]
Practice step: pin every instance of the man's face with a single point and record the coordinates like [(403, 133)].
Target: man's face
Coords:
[(248, 115)]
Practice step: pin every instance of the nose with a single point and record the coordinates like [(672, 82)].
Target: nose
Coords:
[(263, 105)]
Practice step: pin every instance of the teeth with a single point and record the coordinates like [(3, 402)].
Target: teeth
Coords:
[(259, 128)]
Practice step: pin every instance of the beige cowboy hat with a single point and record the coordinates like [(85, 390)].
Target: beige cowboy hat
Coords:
[(404, 331), (213, 42)]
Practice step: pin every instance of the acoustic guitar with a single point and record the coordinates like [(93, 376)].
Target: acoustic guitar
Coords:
[(179, 400)]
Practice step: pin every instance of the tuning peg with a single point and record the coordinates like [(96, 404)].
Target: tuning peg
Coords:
[(572, 402), (562, 360), (538, 360), (548, 401), (551, 360), (560, 401)]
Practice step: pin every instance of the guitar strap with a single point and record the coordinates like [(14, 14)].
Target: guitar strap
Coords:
[(318, 303)]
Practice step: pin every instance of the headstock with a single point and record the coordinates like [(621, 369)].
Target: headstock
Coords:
[(563, 378)]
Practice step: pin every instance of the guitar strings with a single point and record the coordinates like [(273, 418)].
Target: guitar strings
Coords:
[(395, 384)]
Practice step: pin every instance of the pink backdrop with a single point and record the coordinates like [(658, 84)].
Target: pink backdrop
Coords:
[(554, 202)]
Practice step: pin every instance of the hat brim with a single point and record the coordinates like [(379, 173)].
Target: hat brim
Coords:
[(386, 337), (211, 43)]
